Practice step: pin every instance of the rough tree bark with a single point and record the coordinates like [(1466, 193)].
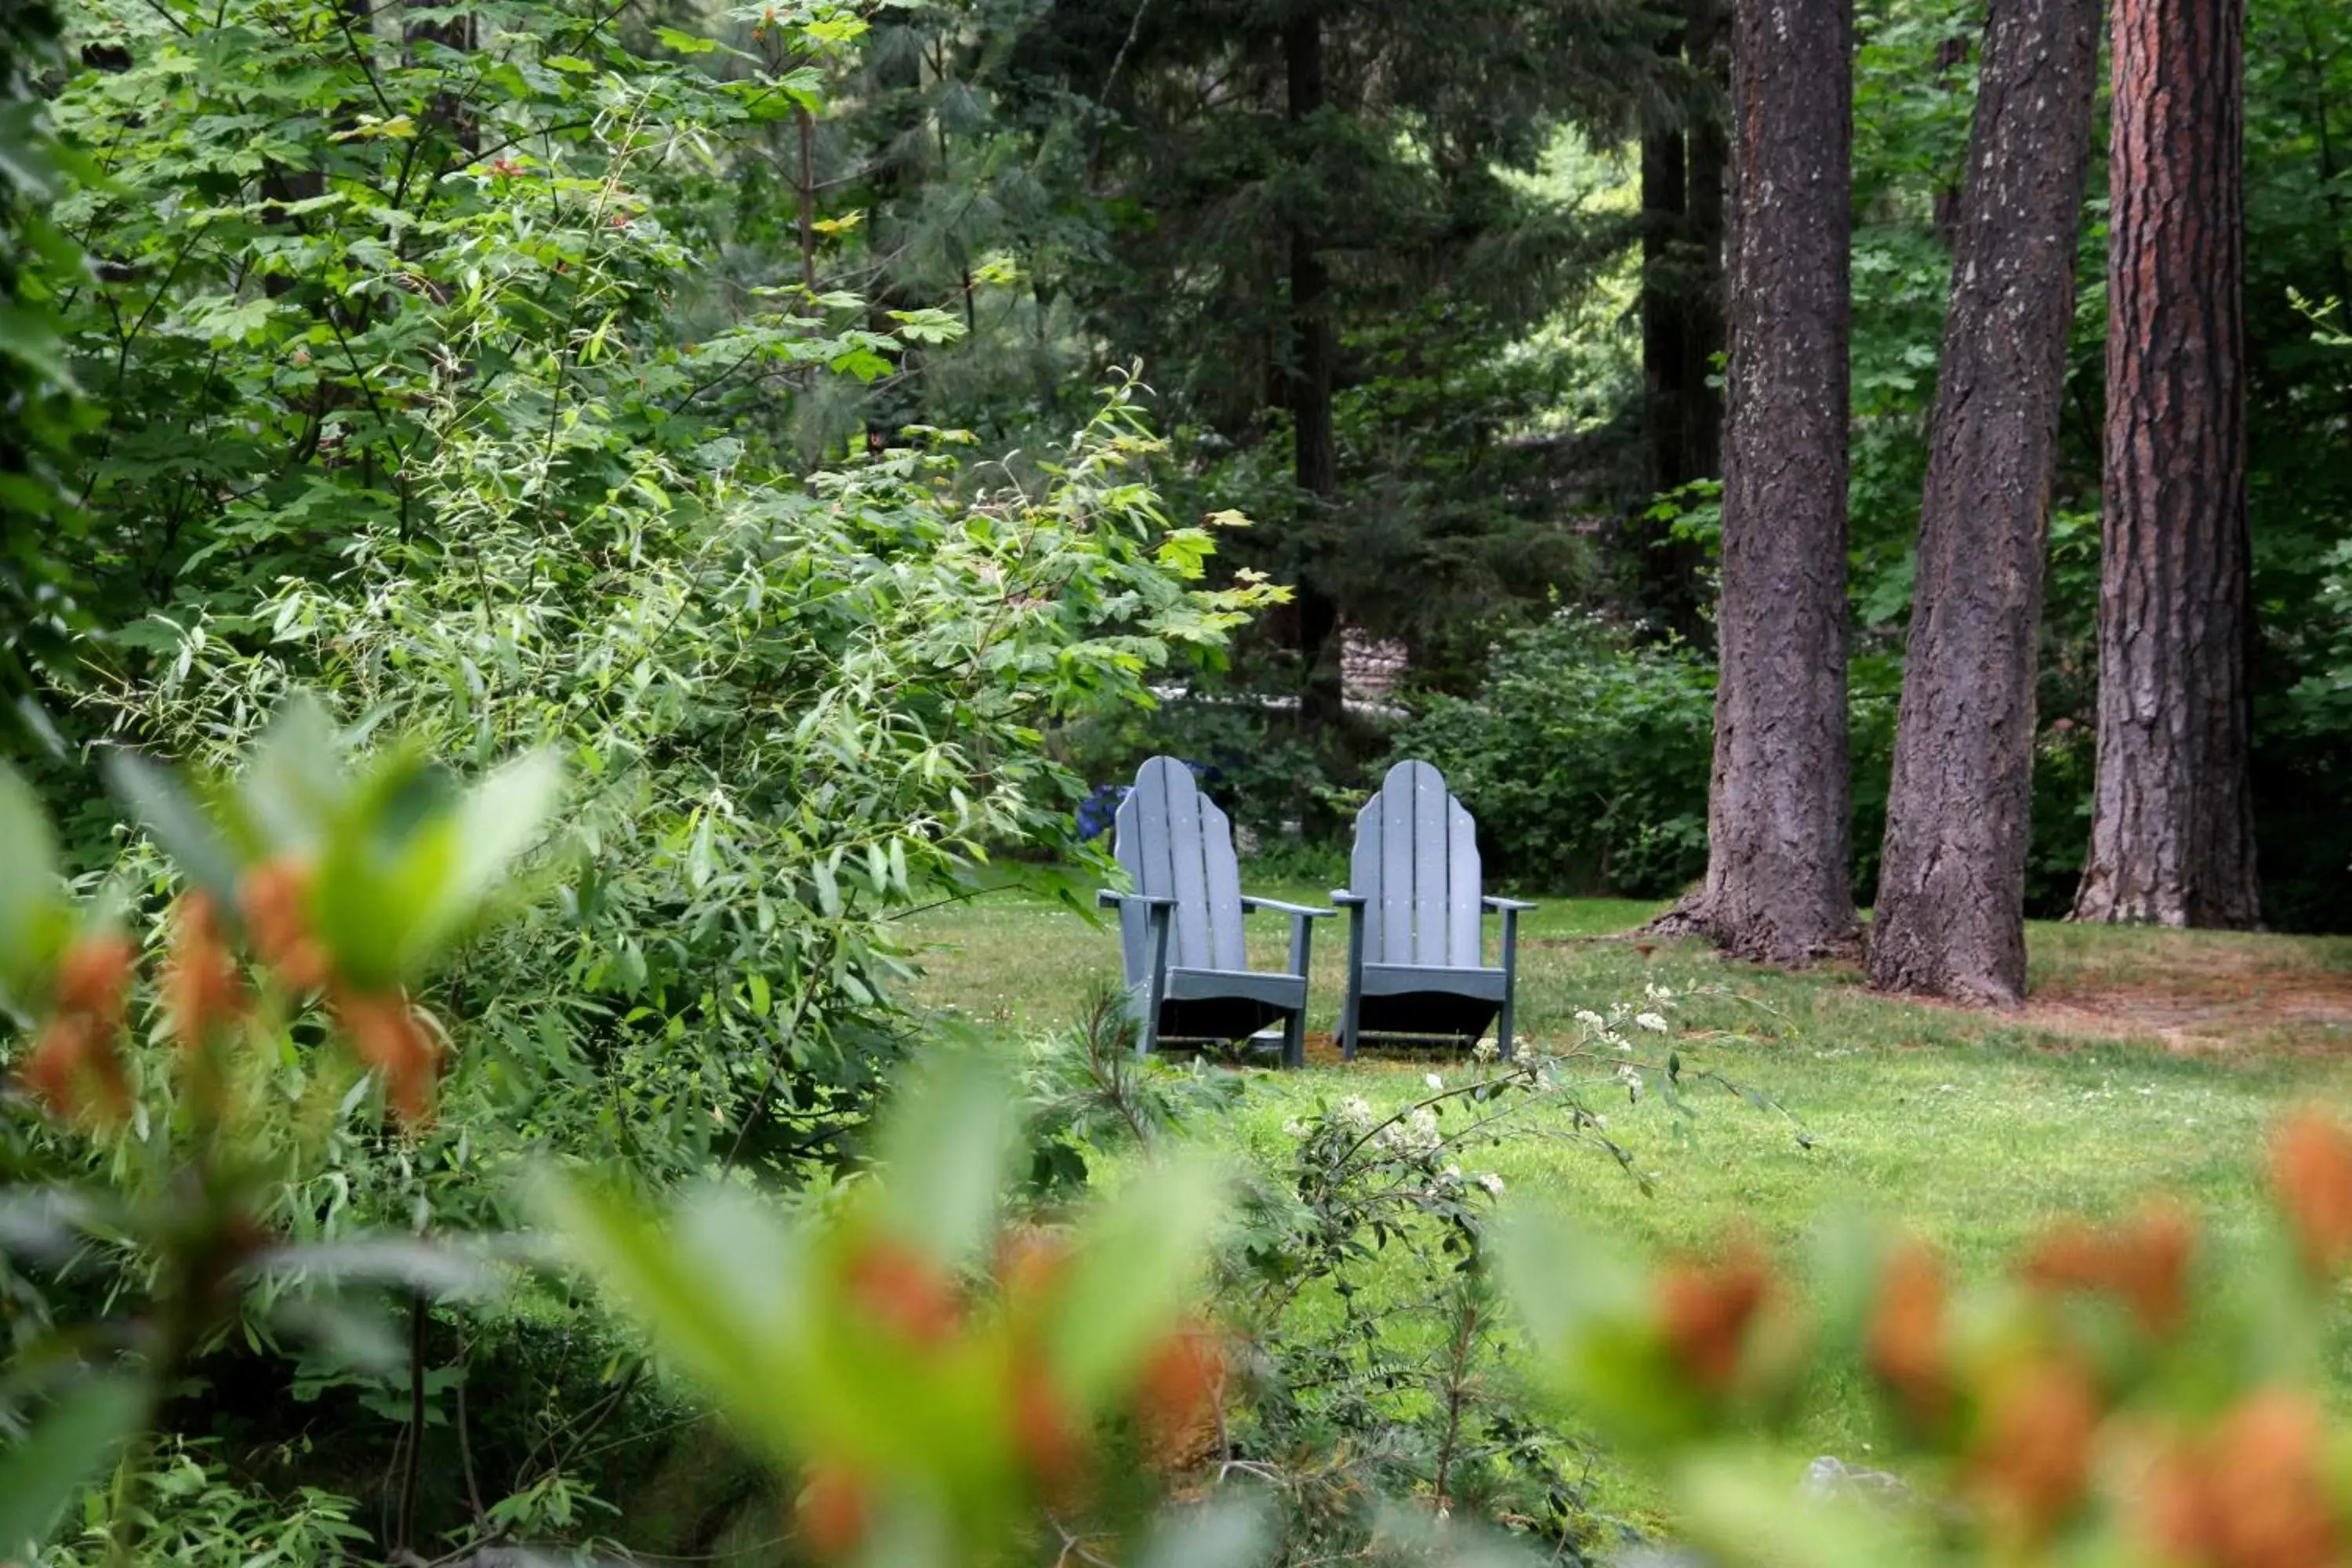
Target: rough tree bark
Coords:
[(2172, 838), (1314, 446), (1779, 825), (1951, 886)]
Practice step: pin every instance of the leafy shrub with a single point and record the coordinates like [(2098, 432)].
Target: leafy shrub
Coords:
[(196, 1512), (1584, 757), (794, 711), (165, 1180)]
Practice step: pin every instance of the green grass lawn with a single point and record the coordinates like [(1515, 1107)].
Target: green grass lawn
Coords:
[(2150, 1060)]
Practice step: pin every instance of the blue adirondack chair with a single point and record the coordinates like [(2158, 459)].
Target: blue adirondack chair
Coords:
[(1188, 977), (1416, 959)]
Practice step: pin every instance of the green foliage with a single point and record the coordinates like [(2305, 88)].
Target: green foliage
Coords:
[(38, 414), (170, 1203), (1384, 1366), (793, 712), (1087, 1092), (843, 1349), (1584, 758), (1265, 774), (196, 1512), (337, 259)]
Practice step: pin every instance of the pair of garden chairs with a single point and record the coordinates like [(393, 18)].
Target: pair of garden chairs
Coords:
[(1416, 964)]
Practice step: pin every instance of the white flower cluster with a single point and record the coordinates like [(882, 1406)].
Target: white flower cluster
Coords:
[(1488, 1180), (1416, 1134), (1613, 1028)]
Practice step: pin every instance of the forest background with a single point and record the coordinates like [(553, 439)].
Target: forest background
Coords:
[(830, 430), (1435, 302)]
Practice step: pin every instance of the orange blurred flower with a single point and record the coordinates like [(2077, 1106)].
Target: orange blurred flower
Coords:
[(2252, 1495), (1904, 1342), (2144, 1265), (833, 1510), (94, 977), (2311, 1167), (1043, 1433), (1184, 1384), (275, 897), (74, 1051), (2033, 1453), (906, 1290), (1028, 1263), (386, 1033), (1704, 1311), (202, 991)]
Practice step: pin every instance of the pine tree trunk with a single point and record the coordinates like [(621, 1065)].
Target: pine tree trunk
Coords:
[(1314, 446), (2172, 840), (1951, 886), (1778, 826)]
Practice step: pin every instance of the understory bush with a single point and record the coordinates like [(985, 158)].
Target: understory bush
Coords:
[(1584, 757)]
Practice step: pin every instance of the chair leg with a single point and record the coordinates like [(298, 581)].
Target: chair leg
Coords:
[(1147, 1039), (1294, 1028), (1510, 983), (1350, 1009)]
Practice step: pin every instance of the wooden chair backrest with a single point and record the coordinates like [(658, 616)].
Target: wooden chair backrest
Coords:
[(1416, 867), (1175, 843)]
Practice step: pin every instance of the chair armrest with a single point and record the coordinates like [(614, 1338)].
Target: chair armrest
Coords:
[(1106, 897), (1348, 900), (1498, 905), (1303, 911)]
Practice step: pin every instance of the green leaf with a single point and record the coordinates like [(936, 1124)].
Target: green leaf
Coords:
[(498, 820), (946, 1150), (1227, 1533), (294, 781), (1137, 1259), (72, 1443), (33, 906), (571, 63), (715, 1283), (155, 798), (682, 43), (1730, 1502)]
